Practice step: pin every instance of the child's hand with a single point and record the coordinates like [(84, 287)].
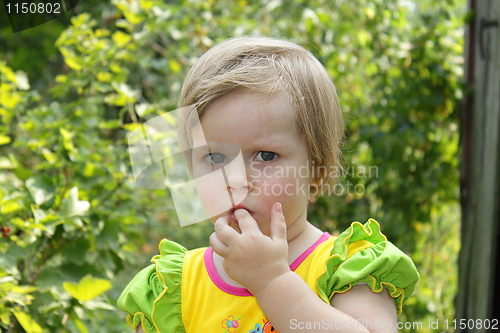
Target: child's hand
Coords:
[(251, 258)]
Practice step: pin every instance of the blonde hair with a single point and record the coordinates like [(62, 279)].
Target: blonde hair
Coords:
[(273, 66)]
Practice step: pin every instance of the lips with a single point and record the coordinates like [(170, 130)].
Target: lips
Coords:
[(233, 218), (231, 212), (240, 207)]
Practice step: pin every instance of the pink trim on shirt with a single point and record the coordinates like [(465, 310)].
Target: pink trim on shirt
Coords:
[(238, 291), (296, 263)]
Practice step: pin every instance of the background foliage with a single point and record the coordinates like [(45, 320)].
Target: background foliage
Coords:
[(76, 228)]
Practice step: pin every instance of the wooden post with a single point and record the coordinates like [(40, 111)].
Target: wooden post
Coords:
[(480, 171)]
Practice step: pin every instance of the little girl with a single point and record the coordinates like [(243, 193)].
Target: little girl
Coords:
[(268, 269)]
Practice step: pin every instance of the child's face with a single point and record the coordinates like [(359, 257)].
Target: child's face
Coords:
[(273, 165)]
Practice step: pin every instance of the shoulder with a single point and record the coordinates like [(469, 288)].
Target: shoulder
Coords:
[(155, 292), (362, 254)]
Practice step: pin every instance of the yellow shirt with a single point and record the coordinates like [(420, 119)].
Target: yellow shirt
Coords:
[(221, 307), (182, 292)]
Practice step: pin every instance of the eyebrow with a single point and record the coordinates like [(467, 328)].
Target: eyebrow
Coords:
[(274, 138), (269, 145)]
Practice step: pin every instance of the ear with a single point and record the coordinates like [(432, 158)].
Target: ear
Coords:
[(318, 182), (314, 189)]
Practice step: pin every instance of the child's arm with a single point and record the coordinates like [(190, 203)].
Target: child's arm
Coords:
[(139, 329), (291, 305), (260, 263), (370, 308)]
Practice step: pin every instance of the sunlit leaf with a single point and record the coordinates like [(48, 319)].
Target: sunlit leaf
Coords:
[(4, 139), (71, 206), (88, 288), (121, 38), (29, 325), (41, 188)]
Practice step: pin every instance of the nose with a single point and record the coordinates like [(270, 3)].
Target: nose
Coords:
[(238, 190), (237, 182)]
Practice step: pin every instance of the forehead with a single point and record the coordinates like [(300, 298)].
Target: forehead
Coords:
[(245, 117)]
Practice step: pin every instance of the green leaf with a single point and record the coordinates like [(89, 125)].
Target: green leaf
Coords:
[(67, 135), (104, 76), (99, 305), (79, 20), (29, 325), (75, 63), (7, 71), (9, 259), (88, 170), (121, 38), (49, 278), (116, 99), (6, 163), (88, 288), (61, 78), (71, 206), (144, 109), (132, 18), (79, 324), (41, 188), (22, 173), (146, 5), (110, 124), (9, 99), (16, 297), (49, 155), (116, 68), (5, 315), (9, 207), (131, 126), (174, 66), (22, 81), (124, 89), (75, 251), (4, 139)]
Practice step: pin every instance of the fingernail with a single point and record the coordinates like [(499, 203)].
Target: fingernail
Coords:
[(278, 207)]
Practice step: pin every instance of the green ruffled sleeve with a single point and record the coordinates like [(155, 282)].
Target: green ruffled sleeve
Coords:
[(153, 297), (362, 254)]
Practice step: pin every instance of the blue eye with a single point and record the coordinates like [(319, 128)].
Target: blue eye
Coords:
[(216, 158), (267, 156)]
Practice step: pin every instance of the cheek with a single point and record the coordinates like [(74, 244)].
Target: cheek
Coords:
[(213, 194), (291, 192)]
